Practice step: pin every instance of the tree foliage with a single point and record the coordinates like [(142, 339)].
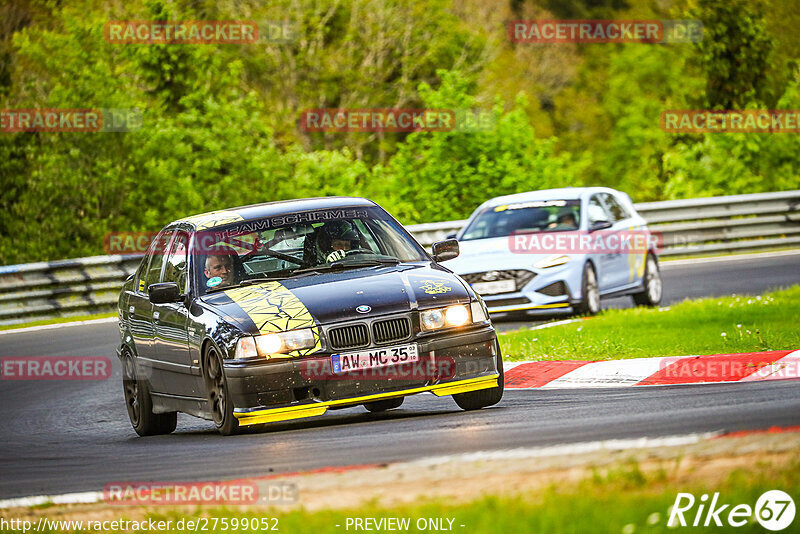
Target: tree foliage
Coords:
[(220, 122)]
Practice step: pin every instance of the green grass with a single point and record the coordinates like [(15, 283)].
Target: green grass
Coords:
[(750, 324), (621, 499), (59, 320)]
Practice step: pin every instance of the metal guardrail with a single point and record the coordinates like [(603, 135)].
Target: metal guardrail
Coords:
[(737, 223), (698, 225)]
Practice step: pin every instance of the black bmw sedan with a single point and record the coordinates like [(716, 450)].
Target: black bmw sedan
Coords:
[(285, 310)]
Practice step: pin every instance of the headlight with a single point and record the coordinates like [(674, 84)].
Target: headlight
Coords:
[(457, 315), (277, 343), (432, 319), (552, 261), (449, 317)]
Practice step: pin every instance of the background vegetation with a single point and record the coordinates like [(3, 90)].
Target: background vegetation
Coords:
[(220, 121), (719, 325)]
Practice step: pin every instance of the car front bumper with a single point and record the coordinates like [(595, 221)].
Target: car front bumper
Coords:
[(292, 389)]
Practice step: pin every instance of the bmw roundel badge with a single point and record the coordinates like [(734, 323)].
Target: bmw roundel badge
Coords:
[(364, 309)]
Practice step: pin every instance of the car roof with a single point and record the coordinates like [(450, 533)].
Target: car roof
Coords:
[(222, 217), (563, 193)]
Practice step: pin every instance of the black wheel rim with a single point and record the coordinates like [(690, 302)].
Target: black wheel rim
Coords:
[(216, 390), (131, 386)]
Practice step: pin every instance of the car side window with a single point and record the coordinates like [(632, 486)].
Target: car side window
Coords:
[(157, 249), (175, 265), (139, 283), (596, 212), (617, 210)]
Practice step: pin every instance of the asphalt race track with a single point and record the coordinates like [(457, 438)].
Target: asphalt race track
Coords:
[(66, 436)]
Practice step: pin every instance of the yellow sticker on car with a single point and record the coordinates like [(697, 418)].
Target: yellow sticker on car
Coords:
[(273, 308), (213, 219), (435, 287)]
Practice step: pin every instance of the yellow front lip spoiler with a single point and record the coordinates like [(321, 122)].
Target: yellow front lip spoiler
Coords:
[(319, 408)]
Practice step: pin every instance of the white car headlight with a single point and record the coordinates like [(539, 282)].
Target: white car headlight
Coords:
[(265, 345), (552, 261), (449, 317)]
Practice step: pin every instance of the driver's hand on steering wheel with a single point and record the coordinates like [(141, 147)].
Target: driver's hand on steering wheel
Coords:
[(335, 256)]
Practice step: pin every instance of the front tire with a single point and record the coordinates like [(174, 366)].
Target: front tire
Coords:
[(140, 403), (590, 292), (653, 288), (218, 394), (475, 400), (383, 405)]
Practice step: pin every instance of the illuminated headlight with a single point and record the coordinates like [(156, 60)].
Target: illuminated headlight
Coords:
[(552, 261), (449, 317), (278, 343)]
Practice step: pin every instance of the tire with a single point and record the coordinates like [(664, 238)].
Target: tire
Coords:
[(218, 394), (140, 404), (475, 400), (590, 292), (383, 405), (653, 288)]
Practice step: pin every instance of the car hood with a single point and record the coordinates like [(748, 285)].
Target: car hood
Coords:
[(490, 254), (334, 297)]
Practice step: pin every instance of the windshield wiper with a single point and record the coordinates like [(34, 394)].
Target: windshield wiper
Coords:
[(342, 264), (251, 281)]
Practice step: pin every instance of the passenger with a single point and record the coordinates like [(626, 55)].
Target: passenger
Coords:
[(219, 266)]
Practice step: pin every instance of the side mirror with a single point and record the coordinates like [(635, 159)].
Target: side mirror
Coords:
[(164, 293), (600, 225), (445, 250)]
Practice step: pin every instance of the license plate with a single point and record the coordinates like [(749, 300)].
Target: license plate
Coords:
[(492, 288), (370, 359)]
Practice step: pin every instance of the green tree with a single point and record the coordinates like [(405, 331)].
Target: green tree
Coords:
[(735, 50), (438, 176)]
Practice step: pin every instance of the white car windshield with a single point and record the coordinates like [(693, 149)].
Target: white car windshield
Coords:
[(532, 216)]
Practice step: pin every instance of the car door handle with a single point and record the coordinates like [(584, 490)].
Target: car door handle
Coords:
[(156, 315)]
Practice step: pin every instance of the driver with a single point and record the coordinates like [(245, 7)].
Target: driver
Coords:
[(336, 238), (565, 221)]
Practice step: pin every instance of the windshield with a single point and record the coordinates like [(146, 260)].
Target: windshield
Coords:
[(535, 216), (296, 244)]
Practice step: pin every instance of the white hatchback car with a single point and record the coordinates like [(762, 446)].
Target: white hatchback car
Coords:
[(558, 251)]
